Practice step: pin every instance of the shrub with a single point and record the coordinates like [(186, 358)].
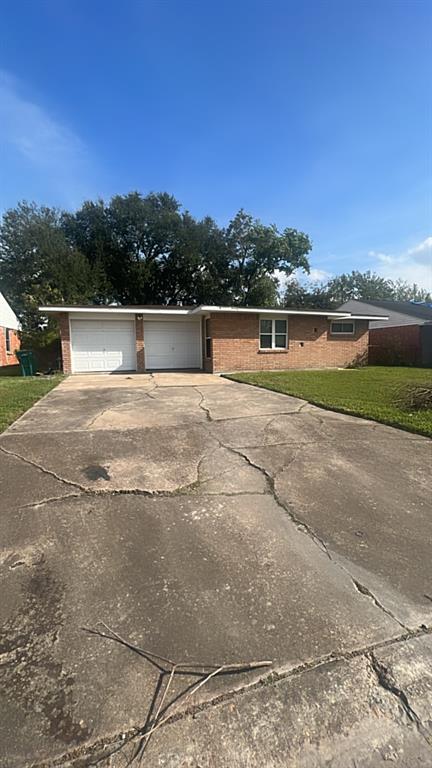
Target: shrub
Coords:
[(415, 397)]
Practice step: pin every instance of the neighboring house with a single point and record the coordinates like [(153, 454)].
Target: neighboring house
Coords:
[(9, 337), (404, 338), (213, 339)]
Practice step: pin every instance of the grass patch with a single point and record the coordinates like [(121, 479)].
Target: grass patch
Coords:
[(372, 392), (18, 394)]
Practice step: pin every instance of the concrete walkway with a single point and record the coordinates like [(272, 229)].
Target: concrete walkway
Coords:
[(213, 522)]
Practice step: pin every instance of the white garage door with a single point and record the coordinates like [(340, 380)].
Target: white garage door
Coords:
[(172, 345), (103, 345)]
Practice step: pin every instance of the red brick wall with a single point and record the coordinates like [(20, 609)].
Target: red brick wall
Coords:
[(395, 346), (9, 358), (207, 361), (139, 341), (235, 344), (63, 320), (235, 339)]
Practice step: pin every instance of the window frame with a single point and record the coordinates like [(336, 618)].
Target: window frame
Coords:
[(342, 333), (273, 334), (8, 341)]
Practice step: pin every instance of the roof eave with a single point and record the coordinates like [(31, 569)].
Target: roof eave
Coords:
[(349, 316), (116, 310), (266, 311), (204, 309)]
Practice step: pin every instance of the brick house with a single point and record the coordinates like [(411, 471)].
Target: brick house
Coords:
[(9, 334), (404, 337), (213, 339)]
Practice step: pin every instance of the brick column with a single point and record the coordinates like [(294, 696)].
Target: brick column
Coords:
[(3, 360), (63, 321), (139, 342)]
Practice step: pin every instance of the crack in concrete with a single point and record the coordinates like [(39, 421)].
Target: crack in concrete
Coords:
[(149, 392), (381, 672), (257, 416), (103, 748), (283, 413), (186, 489), (363, 421), (367, 592), (270, 480), (49, 472), (202, 405), (50, 500), (291, 443), (201, 482), (183, 490), (386, 680), (272, 415), (117, 407), (94, 491), (308, 530)]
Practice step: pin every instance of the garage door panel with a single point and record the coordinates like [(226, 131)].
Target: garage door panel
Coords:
[(103, 345), (170, 345)]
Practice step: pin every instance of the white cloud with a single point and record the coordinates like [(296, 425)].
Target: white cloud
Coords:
[(46, 146), (413, 265), (422, 250), (317, 276), (283, 279)]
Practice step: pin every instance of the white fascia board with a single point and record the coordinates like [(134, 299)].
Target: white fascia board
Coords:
[(206, 309), (266, 311), (348, 316), (86, 310), (117, 310)]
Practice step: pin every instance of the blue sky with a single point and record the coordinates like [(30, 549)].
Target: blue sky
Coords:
[(315, 115)]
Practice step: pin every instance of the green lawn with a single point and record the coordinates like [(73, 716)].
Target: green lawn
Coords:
[(369, 392), (18, 394)]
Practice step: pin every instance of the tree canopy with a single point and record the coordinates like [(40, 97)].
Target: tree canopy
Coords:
[(139, 249), (355, 285)]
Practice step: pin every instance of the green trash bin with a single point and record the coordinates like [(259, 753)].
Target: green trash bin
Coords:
[(27, 362)]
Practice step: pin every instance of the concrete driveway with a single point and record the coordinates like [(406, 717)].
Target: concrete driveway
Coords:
[(213, 522)]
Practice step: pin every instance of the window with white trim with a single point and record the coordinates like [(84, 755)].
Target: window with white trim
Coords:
[(273, 333), (342, 327)]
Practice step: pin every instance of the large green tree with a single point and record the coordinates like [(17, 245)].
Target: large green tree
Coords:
[(257, 253), (139, 249), (37, 263), (403, 291), (152, 251), (365, 286), (369, 286), (313, 296), (149, 249), (359, 285)]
